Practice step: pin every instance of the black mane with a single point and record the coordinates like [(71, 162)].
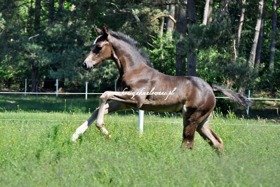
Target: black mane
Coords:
[(127, 39)]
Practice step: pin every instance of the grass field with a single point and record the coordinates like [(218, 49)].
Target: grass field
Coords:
[(35, 151)]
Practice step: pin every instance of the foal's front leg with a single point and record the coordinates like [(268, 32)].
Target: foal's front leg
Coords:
[(118, 101), (107, 108), (103, 109), (81, 129)]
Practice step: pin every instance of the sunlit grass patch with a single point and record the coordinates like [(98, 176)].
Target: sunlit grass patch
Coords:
[(35, 149)]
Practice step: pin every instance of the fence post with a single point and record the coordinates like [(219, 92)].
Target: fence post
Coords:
[(248, 107), (56, 87), (25, 87), (86, 91), (141, 121)]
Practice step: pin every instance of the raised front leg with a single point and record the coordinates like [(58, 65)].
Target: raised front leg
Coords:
[(131, 97), (103, 109)]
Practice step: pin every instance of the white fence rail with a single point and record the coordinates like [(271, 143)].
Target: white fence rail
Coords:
[(86, 93), (141, 112)]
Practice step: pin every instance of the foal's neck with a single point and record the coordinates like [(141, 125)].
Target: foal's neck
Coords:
[(127, 59)]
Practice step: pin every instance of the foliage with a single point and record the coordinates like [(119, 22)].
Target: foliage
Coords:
[(214, 67), (163, 54), (56, 45)]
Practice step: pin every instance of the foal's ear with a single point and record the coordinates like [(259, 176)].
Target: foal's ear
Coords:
[(105, 31), (98, 31)]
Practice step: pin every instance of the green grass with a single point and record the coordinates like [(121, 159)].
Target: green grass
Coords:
[(35, 151), (47, 103)]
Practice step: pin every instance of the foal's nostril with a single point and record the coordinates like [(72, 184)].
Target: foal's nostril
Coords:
[(84, 65)]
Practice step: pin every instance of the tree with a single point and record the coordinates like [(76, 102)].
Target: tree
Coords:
[(191, 20), (181, 30), (239, 31), (241, 22), (207, 12), (273, 37), (259, 48), (37, 15), (170, 23), (252, 58), (33, 61)]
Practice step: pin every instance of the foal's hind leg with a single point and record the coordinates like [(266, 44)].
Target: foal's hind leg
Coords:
[(190, 123), (210, 136)]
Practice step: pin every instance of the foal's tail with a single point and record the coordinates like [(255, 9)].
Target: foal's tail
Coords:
[(237, 97)]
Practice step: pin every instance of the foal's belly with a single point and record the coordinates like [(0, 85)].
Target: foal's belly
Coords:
[(162, 108)]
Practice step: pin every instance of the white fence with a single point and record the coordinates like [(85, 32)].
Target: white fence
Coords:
[(141, 112)]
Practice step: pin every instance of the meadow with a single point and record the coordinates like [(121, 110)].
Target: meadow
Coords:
[(35, 150)]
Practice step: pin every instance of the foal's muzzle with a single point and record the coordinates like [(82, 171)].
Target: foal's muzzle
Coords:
[(86, 67)]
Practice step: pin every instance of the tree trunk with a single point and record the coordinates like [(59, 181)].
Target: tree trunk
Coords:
[(181, 29), (259, 49), (37, 15), (272, 37), (34, 77), (191, 46), (241, 21), (236, 40), (170, 24), (51, 11), (37, 26), (161, 36), (252, 57), (207, 12)]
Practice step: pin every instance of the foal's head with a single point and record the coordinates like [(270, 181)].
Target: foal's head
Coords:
[(101, 50)]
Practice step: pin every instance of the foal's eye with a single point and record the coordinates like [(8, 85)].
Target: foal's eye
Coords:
[(96, 49)]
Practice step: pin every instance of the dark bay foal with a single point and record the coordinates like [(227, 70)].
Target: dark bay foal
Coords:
[(143, 87)]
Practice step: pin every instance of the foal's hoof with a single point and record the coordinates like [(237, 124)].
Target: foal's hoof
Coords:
[(220, 152), (108, 136), (74, 137), (187, 145)]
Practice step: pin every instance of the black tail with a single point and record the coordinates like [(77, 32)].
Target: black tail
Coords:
[(237, 97)]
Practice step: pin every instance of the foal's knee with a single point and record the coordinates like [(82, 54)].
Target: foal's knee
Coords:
[(99, 123)]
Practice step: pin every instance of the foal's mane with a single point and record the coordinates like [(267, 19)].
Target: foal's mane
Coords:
[(125, 38), (133, 43)]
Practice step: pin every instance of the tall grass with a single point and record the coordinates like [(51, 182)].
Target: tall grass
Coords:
[(35, 151)]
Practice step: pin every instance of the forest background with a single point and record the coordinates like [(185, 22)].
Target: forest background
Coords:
[(234, 43)]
